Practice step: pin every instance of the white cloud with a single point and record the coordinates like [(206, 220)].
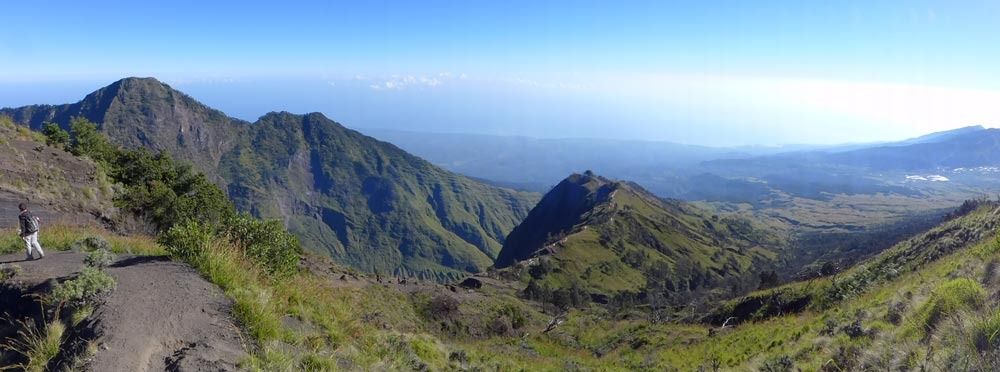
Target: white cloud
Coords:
[(397, 82)]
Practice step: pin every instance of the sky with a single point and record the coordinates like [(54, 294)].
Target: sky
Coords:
[(700, 72)]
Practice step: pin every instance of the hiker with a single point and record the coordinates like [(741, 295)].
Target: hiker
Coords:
[(28, 224)]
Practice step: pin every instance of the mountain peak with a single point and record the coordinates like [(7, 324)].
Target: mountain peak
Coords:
[(131, 84), (608, 236), (284, 115), (562, 208), (139, 80)]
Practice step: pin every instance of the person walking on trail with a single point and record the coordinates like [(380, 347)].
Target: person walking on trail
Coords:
[(28, 224)]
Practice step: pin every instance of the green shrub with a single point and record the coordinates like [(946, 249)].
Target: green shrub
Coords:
[(100, 258), (513, 313), (949, 298), (313, 362), (90, 283), (90, 243), (778, 364), (267, 243), (54, 135), (186, 240)]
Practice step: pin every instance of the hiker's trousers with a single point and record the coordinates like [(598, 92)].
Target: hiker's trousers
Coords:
[(31, 241)]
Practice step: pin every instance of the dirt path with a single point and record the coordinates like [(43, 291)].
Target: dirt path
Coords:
[(161, 317)]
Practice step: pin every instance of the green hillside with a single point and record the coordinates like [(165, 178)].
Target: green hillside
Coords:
[(362, 201), (344, 192), (614, 238)]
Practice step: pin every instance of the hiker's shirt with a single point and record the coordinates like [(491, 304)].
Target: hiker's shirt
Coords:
[(23, 222)]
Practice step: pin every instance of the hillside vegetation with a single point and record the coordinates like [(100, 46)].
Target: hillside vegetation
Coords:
[(935, 312), (66, 188)]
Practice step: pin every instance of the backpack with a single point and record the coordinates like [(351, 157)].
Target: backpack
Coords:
[(31, 223)]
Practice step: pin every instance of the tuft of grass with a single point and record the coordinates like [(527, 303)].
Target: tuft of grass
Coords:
[(38, 345), (80, 314), (986, 332), (314, 362), (949, 298)]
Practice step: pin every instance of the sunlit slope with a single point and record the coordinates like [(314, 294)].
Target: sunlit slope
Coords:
[(610, 237)]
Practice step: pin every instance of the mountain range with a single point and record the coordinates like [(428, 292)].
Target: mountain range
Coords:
[(737, 174), (362, 201), (596, 274)]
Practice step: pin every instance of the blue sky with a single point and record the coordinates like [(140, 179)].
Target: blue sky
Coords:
[(707, 72)]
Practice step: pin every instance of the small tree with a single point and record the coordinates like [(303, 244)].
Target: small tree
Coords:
[(54, 135), (87, 140)]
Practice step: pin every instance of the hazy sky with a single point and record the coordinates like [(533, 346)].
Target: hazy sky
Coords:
[(705, 72)]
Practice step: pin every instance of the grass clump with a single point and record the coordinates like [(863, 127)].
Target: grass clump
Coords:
[(949, 298), (986, 333), (81, 314), (38, 345)]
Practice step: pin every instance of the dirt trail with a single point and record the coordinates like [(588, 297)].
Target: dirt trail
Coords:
[(161, 317)]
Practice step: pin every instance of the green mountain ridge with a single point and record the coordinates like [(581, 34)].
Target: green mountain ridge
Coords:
[(613, 237), (362, 201)]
